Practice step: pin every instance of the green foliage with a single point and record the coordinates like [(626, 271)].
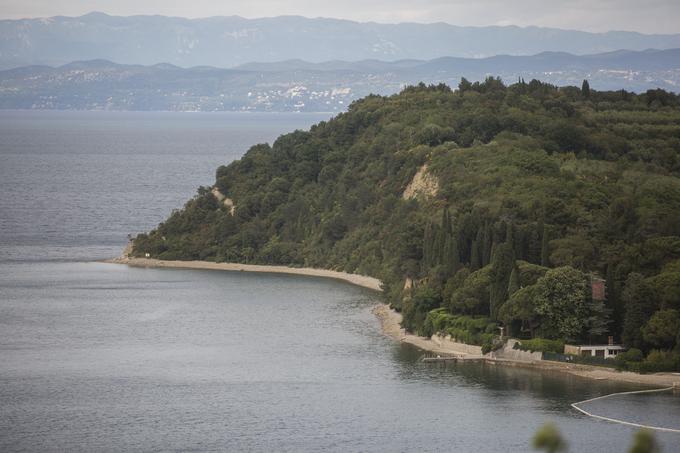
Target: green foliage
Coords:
[(464, 329), (417, 307), (502, 265), (472, 297), (549, 439), (519, 312), (663, 329), (562, 301), (541, 345), (638, 298), (644, 442), (528, 175), (656, 361)]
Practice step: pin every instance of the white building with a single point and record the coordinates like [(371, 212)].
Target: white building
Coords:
[(605, 351)]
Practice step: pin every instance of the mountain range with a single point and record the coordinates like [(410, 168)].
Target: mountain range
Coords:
[(230, 41), (297, 85)]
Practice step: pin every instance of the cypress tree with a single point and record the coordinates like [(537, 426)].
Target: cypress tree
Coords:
[(638, 298), (613, 299), (501, 268), (534, 244), (514, 283), (446, 223), (428, 245), (475, 262), (451, 260), (545, 248), (585, 89), (486, 245), (455, 255)]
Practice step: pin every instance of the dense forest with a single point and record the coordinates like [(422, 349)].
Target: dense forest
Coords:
[(480, 207)]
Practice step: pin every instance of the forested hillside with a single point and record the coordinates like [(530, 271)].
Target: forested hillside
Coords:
[(485, 206)]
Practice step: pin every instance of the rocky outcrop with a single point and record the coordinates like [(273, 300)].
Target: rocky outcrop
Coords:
[(423, 184)]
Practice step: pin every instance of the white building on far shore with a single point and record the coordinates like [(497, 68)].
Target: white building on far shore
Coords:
[(605, 351)]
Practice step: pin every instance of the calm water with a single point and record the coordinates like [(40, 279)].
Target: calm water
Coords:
[(98, 357)]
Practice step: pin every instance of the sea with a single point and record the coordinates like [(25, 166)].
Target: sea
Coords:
[(99, 357)]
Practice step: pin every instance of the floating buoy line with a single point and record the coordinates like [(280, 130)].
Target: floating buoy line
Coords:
[(623, 422)]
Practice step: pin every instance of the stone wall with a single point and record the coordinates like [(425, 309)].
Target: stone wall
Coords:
[(508, 352)]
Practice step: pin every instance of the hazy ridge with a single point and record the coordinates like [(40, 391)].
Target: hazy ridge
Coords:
[(298, 85), (230, 41)]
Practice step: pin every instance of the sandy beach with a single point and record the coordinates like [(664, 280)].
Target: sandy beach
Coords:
[(359, 280), (391, 320), (391, 323)]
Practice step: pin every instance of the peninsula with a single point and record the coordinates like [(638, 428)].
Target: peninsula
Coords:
[(552, 213)]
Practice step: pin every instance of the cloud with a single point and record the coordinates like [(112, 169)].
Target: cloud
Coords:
[(650, 16)]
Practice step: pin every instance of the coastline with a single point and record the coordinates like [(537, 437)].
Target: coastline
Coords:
[(390, 322), (355, 279)]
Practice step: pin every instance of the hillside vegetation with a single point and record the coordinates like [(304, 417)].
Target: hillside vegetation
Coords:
[(528, 192)]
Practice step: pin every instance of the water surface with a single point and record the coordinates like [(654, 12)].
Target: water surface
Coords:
[(100, 357)]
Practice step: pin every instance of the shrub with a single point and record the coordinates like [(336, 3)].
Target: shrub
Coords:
[(656, 361), (465, 329), (541, 345)]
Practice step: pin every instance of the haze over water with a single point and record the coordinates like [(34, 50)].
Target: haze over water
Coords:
[(99, 357)]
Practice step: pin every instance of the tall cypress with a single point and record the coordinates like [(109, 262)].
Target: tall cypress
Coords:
[(514, 283), (428, 245), (545, 247), (486, 245), (613, 299), (585, 89), (475, 262), (639, 299), (501, 268)]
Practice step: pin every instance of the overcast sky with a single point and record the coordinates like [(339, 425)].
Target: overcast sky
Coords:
[(647, 16)]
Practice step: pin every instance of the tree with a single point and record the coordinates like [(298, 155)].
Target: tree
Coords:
[(424, 299), (562, 301), (475, 262), (598, 320), (638, 300), (644, 442), (548, 438), (520, 309), (514, 283), (473, 295), (545, 247), (663, 329), (501, 267), (486, 245), (585, 89), (464, 85)]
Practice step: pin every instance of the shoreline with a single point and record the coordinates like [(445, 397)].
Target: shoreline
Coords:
[(390, 322), (355, 279)]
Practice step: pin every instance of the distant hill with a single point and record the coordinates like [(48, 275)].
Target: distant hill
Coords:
[(297, 85), (230, 41)]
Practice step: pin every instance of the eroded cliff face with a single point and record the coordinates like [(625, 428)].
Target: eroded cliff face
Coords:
[(221, 198), (423, 184)]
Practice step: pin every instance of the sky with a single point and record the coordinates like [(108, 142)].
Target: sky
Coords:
[(646, 16)]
